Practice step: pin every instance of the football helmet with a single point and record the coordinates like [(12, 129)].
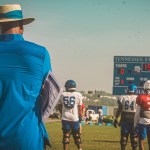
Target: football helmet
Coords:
[(70, 85), (147, 85), (132, 88)]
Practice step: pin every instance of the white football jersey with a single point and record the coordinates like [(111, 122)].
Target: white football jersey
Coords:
[(70, 102), (128, 103)]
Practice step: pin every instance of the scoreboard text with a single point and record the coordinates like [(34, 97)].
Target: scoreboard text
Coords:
[(130, 69)]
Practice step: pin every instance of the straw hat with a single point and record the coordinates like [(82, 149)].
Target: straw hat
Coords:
[(13, 12)]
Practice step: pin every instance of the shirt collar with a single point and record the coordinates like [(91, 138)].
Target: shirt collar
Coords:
[(11, 37)]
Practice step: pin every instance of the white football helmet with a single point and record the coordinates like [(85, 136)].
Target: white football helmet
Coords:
[(147, 85)]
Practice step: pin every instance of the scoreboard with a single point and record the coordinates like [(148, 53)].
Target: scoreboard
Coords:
[(130, 69)]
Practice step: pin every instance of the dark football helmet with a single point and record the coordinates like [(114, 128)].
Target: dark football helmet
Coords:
[(70, 85)]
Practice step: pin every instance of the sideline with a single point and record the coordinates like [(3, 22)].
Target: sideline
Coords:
[(49, 120)]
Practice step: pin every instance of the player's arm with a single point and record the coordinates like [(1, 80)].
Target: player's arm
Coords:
[(60, 104), (137, 115), (80, 110), (80, 113), (60, 108), (101, 112), (120, 107), (119, 110)]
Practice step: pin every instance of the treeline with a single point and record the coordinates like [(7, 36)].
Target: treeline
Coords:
[(99, 98)]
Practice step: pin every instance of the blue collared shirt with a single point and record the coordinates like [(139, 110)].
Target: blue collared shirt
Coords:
[(23, 67)]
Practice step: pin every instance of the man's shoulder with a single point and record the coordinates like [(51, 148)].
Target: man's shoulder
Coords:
[(132, 97), (64, 93), (121, 97), (140, 96), (29, 43), (78, 93), (68, 92), (127, 97), (31, 47)]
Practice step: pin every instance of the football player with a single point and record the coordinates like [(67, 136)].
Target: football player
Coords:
[(100, 119), (70, 106), (127, 109), (142, 116)]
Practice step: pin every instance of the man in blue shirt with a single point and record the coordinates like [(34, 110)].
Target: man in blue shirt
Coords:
[(23, 68)]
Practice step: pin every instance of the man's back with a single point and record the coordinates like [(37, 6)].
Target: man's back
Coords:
[(22, 70), (128, 103), (70, 102)]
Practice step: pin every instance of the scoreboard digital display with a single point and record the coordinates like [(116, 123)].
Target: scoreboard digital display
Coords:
[(130, 69)]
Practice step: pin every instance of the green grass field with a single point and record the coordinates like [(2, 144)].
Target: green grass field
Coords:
[(93, 137)]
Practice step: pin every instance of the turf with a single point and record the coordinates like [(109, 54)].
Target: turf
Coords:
[(94, 137)]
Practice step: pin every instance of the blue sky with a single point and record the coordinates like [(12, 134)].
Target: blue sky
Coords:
[(83, 36)]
